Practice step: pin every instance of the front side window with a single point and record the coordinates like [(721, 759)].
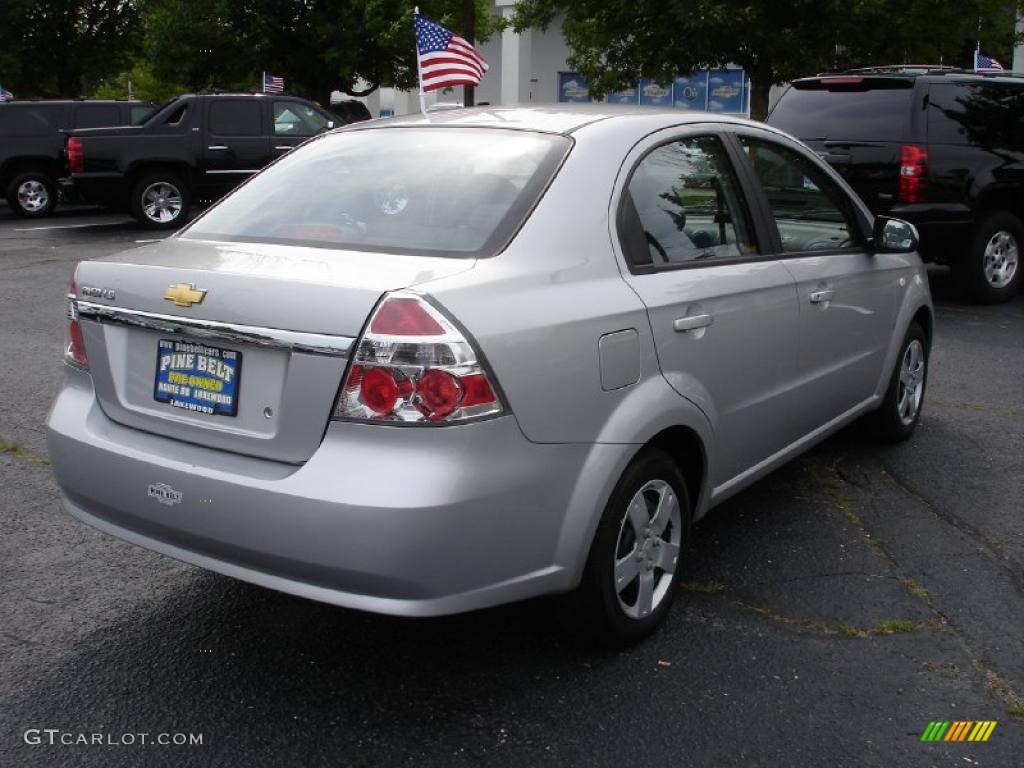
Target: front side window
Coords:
[(432, 190), (810, 210), (684, 205), (294, 119), (235, 117)]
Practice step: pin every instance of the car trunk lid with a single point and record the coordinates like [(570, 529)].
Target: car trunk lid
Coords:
[(269, 328)]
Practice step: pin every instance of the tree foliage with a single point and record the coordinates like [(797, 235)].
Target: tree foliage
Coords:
[(317, 45), (64, 47), (612, 41)]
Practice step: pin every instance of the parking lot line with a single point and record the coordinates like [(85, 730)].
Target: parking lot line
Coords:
[(68, 226)]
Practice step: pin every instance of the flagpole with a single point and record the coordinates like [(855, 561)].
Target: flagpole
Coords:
[(419, 69), (263, 81)]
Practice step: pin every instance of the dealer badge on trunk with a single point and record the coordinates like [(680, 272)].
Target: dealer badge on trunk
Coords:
[(163, 493)]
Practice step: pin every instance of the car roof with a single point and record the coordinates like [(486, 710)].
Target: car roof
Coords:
[(911, 73), (560, 118)]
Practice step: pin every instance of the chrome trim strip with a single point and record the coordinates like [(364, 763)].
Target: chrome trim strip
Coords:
[(232, 170), (297, 341)]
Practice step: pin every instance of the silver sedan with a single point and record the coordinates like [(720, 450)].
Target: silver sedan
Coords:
[(424, 366)]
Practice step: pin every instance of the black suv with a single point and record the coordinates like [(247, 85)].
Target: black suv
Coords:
[(194, 149), (941, 148), (32, 145)]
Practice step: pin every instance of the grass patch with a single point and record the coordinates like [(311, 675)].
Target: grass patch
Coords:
[(917, 590), (18, 451), (894, 626)]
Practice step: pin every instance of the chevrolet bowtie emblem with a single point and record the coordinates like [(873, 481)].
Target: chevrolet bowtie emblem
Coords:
[(185, 294)]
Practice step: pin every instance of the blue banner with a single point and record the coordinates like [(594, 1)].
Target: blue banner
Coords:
[(654, 94), (691, 92), (572, 88), (625, 96), (725, 90)]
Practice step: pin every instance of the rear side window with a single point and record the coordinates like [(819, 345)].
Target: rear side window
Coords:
[(984, 115), (434, 190), (235, 117), (25, 121), (858, 112), (97, 116), (686, 206), (140, 113)]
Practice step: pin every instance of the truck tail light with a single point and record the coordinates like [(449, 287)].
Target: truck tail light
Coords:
[(74, 344), (913, 169), (412, 365), (76, 156)]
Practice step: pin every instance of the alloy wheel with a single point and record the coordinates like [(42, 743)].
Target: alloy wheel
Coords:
[(647, 551), (33, 196), (911, 386), (161, 202), (1001, 259)]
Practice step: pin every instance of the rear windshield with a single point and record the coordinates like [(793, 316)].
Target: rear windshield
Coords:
[(430, 190), (856, 111)]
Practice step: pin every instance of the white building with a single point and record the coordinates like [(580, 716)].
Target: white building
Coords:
[(532, 68)]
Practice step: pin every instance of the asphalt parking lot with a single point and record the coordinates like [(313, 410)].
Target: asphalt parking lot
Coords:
[(830, 613)]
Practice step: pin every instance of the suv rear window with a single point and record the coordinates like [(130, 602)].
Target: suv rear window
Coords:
[(859, 110), (438, 191), (984, 115)]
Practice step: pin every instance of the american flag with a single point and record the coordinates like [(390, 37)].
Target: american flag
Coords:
[(445, 59), (981, 61), (272, 84)]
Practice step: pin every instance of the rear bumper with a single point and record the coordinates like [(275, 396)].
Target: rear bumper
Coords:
[(413, 522)]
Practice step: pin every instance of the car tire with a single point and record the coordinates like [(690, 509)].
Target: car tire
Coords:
[(900, 411), (161, 200), (991, 271), (632, 572), (32, 194)]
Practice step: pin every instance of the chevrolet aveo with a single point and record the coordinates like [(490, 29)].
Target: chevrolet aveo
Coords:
[(425, 366)]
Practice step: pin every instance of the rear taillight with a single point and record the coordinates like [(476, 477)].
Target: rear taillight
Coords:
[(74, 344), (913, 169), (76, 157), (413, 366)]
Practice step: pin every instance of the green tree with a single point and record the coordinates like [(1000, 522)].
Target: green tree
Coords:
[(612, 41), (64, 47), (318, 46)]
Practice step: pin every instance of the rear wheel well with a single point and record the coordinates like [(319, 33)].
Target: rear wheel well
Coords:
[(686, 448), (137, 172), (22, 165), (923, 317)]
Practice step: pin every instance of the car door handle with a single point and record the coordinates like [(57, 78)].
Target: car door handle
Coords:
[(218, 147), (820, 297), (692, 322), (284, 147)]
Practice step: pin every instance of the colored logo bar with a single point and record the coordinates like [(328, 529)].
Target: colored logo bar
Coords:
[(958, 730)]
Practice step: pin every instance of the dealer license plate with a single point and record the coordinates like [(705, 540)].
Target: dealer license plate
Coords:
[(197, 377)]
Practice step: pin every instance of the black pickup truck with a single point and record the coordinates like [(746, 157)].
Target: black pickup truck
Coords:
[(32, 145), (195, 149)]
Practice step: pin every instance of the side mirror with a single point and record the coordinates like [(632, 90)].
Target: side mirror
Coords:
[(894, 236)]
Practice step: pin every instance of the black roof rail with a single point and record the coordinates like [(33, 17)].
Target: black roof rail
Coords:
[(922, 69)]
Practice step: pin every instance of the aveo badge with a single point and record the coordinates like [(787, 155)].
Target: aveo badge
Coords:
[(163, 493)]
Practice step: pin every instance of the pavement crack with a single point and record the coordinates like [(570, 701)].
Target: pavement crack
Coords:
[(990, 545)]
